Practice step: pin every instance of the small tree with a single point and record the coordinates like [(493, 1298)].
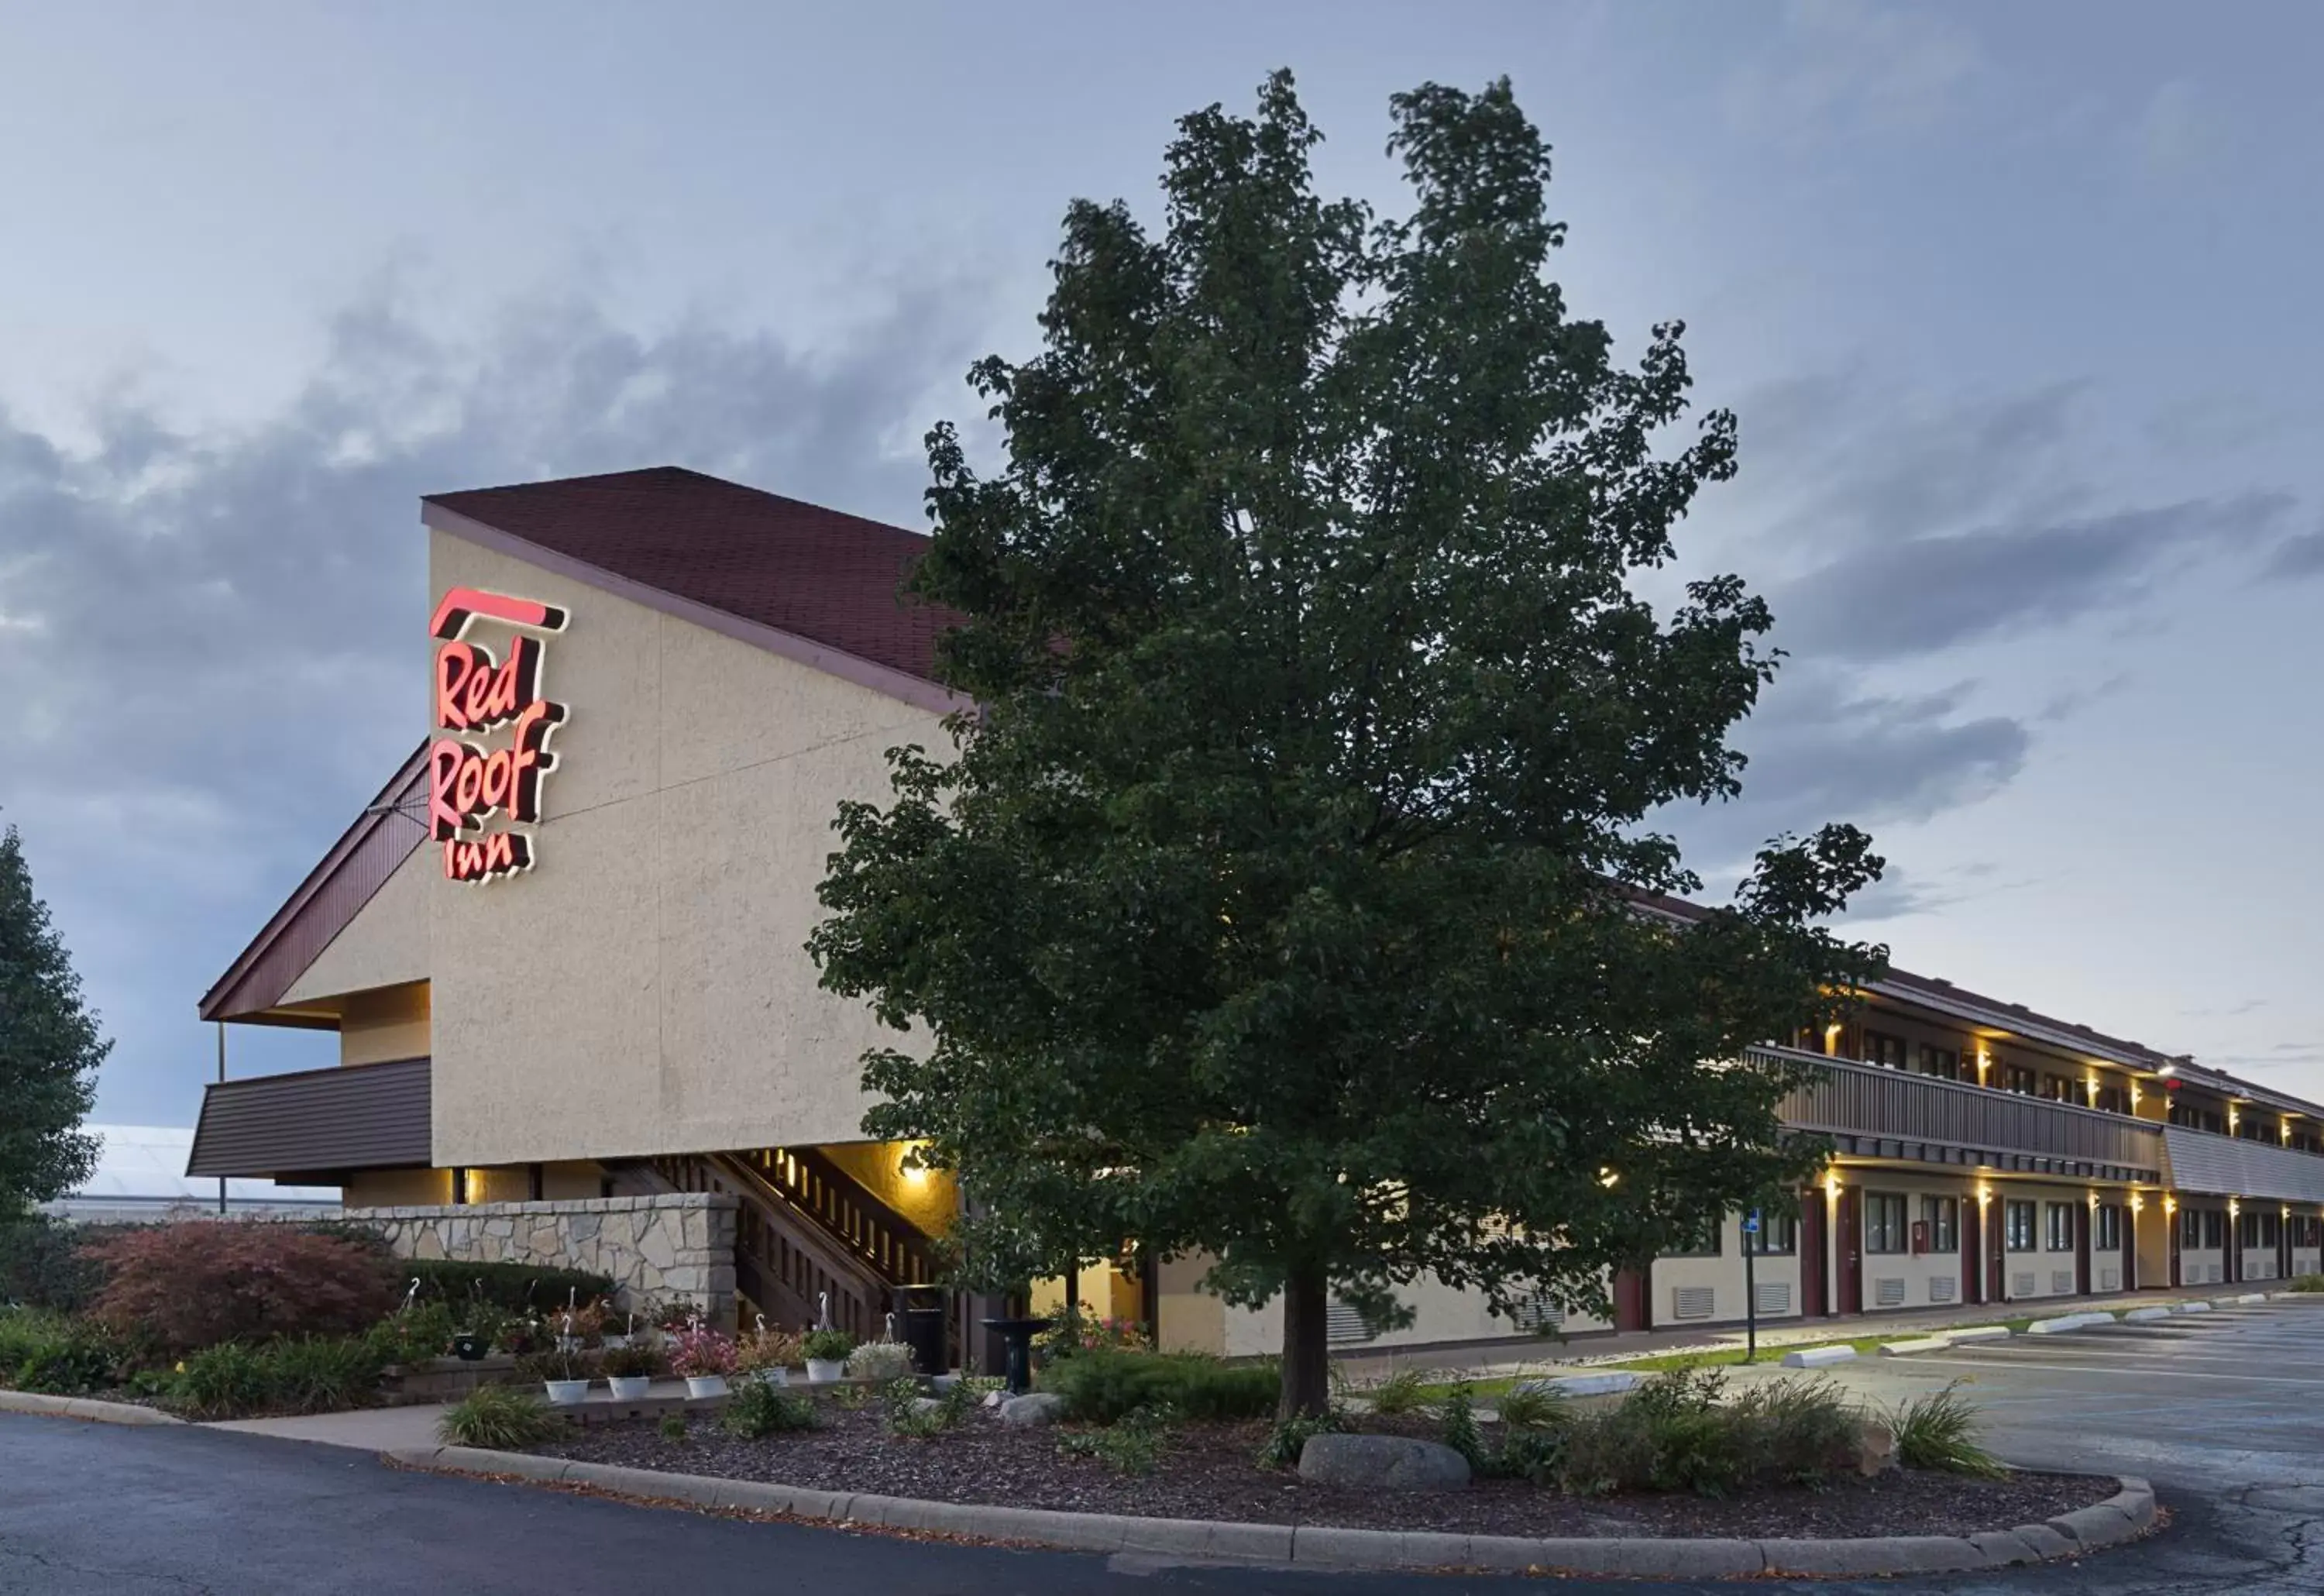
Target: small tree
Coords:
[(1293, 897), (48, 1049)]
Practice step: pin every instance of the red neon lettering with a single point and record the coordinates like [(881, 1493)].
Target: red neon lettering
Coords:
[(466, 784)]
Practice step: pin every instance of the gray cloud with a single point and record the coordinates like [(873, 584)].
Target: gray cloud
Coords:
[(207, 638), (1887, 599), (2300, 556), (1820, 750)]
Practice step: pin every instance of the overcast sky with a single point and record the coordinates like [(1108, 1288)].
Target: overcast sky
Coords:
[(2015, 304)]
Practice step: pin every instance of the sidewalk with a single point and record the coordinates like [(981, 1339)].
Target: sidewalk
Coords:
[(398, 1429), (1555, 1357)]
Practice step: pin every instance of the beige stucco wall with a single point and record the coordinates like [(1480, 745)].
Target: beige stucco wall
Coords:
[(385, 945), (394, 1188), (928, 1198), (1439, 1314), (643, 988), (388, 1023), (1775, 1275)]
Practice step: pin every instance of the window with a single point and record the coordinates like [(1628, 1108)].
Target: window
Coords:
[(2113, 1100), (1703, 1240), (2271, 1229), (1883, 1049), (2191, 1228), (2214, 1228), (1779, 1236), (2017, 1226), (2247, 1229), (1944, 1063), (2252, 1128), (2109, 1226), (2025, 1081), (1884, 1221), (2061, 1227), (2195, 1118), (2060, 1089), (1943, 1216)]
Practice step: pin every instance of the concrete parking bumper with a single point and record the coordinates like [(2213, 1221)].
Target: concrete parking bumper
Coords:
[(2122, 1516)]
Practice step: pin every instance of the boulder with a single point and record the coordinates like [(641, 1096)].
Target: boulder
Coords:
[(1875, 1447), (1040, 1407), (1381, 1462)]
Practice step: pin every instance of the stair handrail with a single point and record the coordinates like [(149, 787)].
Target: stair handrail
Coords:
[(912, 1240), (812, 1237)]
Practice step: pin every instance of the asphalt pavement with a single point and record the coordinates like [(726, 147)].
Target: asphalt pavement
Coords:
[(2224, 1412)]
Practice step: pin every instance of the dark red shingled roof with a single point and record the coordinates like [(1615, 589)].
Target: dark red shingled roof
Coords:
[(815, 573)]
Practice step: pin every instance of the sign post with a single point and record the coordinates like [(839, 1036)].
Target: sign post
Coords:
[(1750, 1287)]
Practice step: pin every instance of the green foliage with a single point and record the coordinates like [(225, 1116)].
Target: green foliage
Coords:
[(1940, 1431), (500, 1418), (176, 1289), (514, 1287), (639, 1359), (1673, 1432), (1131, 1445), (322, 1374), (1288, 1436), (1103, 1387), (672, 1425), (1537, 1455), (1406, 1390), (229, 1381), (1533, 1407), (826, 1346), (64, 1357), (42, 1264), (756, 1410), (2307, 1283), (416, 1333), (48, 1048), (1457, 1417), (881, 1360), (1281, 903), (902, 1411)]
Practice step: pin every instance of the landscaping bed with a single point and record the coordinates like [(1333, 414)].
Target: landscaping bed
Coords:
[(1208, 1471)]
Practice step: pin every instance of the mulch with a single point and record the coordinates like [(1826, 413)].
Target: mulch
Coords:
[(1207, 1472)]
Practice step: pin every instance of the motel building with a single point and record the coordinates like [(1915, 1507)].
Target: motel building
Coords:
[(562, 951)]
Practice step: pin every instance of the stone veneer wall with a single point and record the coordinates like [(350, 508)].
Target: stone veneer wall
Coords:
[(665, 1246)]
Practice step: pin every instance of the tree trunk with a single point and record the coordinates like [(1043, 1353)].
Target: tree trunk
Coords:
[(1307, 1356)]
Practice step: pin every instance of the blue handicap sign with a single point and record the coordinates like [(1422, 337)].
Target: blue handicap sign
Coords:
[(1751, 1222)]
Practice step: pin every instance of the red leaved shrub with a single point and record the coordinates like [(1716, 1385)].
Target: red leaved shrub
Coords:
[(176, 1289)]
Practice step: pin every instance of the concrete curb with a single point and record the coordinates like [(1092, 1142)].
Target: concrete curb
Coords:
[(1819, 1356), (2125, 1514), (84, 1408)]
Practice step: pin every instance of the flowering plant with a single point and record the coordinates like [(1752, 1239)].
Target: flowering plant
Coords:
[(1079, 1332), (697, 1352), (766, 1349)]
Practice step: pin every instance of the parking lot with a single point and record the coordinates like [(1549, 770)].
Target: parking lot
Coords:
[(2224, 1411)]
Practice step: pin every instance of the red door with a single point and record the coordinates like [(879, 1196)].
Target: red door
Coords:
[(1848, 1227), (2081, 1250), (1997, 1258), (1631, 1309), (1972, 1278), (1813, 1261)]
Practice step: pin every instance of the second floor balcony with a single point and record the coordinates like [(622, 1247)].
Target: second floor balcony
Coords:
[(1873, 1112)]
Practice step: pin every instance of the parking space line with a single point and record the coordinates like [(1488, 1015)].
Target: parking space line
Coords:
[(2263, 1380)]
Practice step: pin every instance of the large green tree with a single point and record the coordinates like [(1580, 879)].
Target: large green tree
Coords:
[(1286, 899), (48, 1048)]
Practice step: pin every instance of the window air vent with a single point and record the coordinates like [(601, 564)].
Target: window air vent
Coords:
[(2109, 1279), (1889, 1294), (1538, 1314), (1691, 1302), (1344, 1326), (1941, 1288), (2021, 1285), (1774, 1297), (2061, 1282)]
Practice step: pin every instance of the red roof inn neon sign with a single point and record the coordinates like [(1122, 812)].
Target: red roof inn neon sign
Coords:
[(475, 695)]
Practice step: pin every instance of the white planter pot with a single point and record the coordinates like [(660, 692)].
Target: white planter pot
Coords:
[(630, 1388), (824, 1370), (705, 1385), (771, 1376), (567, 1393)]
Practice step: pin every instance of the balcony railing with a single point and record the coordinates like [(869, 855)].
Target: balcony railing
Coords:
[(2234, 1167), (316, 1121), (1901, 1115)]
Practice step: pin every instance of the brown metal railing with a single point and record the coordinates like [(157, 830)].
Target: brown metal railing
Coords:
[(1851, 1099)]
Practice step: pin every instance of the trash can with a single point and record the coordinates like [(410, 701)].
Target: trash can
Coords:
[(921, 1314)]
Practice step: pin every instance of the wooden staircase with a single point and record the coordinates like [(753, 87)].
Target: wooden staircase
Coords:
[(805, 1228)]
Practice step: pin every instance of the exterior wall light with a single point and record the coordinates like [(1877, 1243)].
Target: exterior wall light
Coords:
[(1831, 1183), (2137, 1202), (2170, 1203), (1609, 1179)]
